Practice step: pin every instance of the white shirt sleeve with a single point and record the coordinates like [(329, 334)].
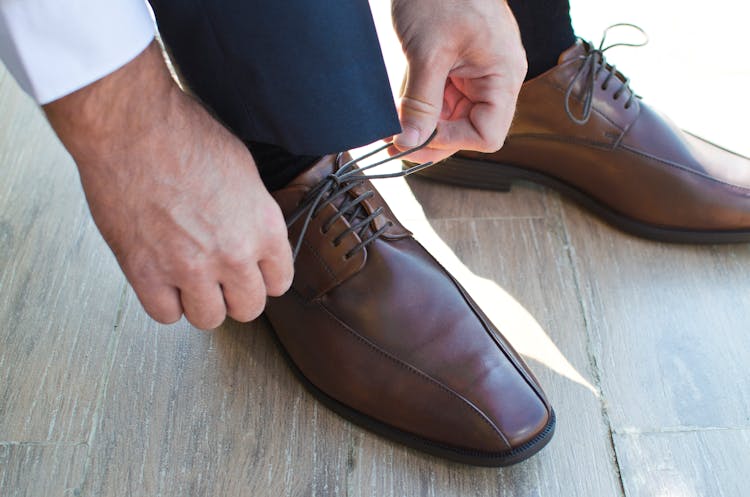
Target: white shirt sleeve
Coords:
[(55, 47)]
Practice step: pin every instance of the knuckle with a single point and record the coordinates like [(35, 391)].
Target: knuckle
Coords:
[(491, 144), (418, 108), (159, 311), (251, 308), (276, 235), (246, 303), (273, 218), (138, 269), (164, 316), (248, 313), (189, 266), (161, 306), (240, 259), (279, 234), (279, 287), (204, 312), (278, 281), (257, 309), (421, 54), (522, 66), (207, 321)]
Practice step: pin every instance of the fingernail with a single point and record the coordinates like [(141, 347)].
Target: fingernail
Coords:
[(408, 138)]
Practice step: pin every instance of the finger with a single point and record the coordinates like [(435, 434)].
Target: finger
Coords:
[(161, 302), (278, 271), (203, 304), (421, 101), (245, 297), (429, 155), (483, 125), (483, 131)]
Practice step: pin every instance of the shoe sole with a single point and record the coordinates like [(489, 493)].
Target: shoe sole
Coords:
[(457, 454), (493, 176)]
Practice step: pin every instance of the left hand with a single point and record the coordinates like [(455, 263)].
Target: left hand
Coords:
[(465, 68)]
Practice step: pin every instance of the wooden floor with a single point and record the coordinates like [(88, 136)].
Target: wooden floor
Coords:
[(642, 347)]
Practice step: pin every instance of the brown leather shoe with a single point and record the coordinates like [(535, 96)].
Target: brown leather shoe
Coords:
[(384, 336), (581, 130)]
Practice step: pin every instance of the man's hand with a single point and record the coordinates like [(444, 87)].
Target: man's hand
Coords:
[(466, 65), (176, 196)]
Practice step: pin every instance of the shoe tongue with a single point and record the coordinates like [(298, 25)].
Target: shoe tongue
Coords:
[(315, 173), (577, 50)]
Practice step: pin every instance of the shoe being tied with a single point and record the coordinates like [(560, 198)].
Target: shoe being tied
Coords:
[(379, 332), (580, 129)]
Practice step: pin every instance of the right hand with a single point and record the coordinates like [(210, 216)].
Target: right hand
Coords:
[(177, 197), (466, 65)]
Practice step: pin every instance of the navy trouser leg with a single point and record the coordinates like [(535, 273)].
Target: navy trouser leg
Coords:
[(304, 75), (546, 31)]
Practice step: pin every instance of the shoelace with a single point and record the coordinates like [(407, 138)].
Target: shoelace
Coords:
[(340, 182), (593, 63)]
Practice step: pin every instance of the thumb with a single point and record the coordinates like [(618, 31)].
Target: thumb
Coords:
[(421, 103)]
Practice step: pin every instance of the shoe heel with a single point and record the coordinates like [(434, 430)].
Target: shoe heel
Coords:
[(465, 172)]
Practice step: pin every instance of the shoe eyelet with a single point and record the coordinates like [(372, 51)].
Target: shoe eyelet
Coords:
[(604, 87)]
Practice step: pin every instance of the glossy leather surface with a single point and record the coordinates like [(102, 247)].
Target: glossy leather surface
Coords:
[(633, 160), (390, 334)]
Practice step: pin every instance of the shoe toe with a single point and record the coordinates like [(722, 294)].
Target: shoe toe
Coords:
[(517, 410), (512, 404)]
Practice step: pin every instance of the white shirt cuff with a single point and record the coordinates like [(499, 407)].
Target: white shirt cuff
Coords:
[(55, 47)]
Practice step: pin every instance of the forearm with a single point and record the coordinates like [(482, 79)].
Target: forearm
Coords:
[(114, 111)]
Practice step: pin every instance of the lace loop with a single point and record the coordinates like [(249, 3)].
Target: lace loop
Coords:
[(341, 181), (593, 63)]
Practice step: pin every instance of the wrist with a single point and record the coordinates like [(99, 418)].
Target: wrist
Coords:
[(117, 110)]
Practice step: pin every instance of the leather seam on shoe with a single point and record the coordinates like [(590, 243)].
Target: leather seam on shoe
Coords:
[(737, 188), (545, 434), (732, 152), (421, 374), (334, 277), (594, 109), (607, 146), (320, 258), (558, 138), (519, 367), (486, 324)]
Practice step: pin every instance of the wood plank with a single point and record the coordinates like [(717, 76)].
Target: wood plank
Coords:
[(59, 285), (188, 412), (669, 325), (515, 269), (193, 413), (685, 464), (441, 201), (35, 470)]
